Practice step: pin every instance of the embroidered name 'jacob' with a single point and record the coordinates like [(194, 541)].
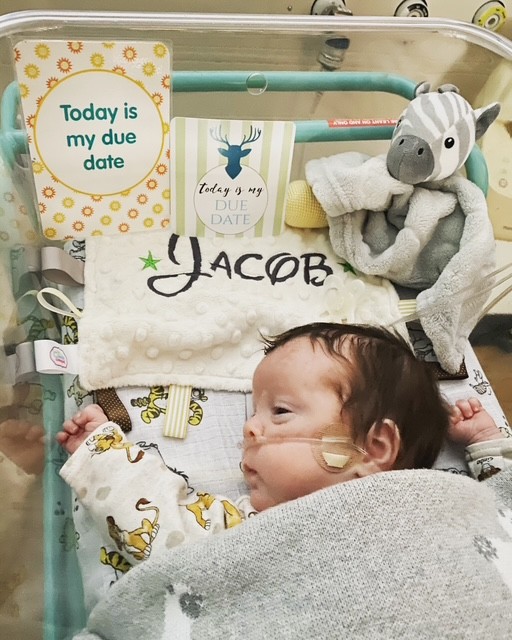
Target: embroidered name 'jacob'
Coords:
[(311, 267)]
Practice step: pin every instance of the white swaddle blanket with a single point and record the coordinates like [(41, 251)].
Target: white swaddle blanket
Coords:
[(436, 237), (161, 309)]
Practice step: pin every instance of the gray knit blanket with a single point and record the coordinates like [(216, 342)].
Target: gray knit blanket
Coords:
[(402, 554), (435, 237)]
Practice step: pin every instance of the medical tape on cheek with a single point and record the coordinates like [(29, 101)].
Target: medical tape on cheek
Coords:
[(334, 452), (335, 460)]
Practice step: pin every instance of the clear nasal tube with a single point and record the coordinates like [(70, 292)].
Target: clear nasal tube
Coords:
[(333, 453)]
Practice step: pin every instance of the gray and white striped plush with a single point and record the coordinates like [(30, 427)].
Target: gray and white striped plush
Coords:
[(410, 217), (435, 134)]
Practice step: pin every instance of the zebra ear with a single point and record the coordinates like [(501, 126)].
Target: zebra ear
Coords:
[(422, 87), (485, 116), (444, 88)]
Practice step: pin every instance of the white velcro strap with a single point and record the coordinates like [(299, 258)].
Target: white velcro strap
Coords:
[(59, 267), (52, 357)]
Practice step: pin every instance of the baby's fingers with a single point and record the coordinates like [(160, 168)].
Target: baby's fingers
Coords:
[(92, 414), (455, 415), (61, 437), (475, 404), (71, 427), (467, 407)]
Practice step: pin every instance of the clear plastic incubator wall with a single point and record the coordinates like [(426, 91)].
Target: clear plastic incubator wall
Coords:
[(285, 67)]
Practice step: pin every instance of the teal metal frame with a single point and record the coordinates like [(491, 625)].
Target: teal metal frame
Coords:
[(13, 140)]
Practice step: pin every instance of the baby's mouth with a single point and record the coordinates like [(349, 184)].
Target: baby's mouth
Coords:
[(245, 467), (248, 472)]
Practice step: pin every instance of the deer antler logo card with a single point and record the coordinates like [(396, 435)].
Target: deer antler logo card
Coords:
[(97, 116), (229, 177)]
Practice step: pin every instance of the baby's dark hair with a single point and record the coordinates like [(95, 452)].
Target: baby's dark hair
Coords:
[(383, 379)]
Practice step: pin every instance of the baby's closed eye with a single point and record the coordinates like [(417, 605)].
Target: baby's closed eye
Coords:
[(279, 411)]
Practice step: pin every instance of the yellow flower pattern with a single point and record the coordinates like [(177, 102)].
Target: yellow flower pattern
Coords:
[(42, 51), (97, 60), (67, 213), (32, 71), (160, 50), (149, 69)]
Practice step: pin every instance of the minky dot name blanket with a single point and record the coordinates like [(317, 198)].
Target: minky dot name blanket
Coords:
[(164, 309)]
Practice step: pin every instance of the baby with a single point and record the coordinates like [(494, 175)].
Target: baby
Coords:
[(331, 403)]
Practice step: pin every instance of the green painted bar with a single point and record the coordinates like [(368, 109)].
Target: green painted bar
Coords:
[(218, 81)]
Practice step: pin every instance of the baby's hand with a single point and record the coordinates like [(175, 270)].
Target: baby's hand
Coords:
[(76, 430), (470, 423)]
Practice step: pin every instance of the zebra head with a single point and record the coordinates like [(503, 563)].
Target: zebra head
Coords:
[(435, 134)]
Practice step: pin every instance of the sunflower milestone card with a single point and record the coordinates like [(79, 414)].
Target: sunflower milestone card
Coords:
[(97, 116), (229, 177)]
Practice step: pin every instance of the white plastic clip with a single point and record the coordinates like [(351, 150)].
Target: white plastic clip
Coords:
[(21, 366), (59, 267)]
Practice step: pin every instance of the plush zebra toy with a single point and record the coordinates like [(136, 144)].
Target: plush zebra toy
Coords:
[(435, 134), (409, 217)]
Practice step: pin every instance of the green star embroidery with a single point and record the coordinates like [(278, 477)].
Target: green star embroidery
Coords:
[(347, 267), (149, 262)]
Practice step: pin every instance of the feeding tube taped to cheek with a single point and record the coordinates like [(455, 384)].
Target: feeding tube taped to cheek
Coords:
[(332, 452)]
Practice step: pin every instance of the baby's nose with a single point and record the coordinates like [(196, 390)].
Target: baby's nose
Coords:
[(253, 427)]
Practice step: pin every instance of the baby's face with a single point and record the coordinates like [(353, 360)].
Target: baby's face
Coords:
[(294, 396)]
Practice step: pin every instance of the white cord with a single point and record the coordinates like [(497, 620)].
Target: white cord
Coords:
[(459, 296)]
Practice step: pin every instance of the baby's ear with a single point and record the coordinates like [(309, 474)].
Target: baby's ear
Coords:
[(383, 445)]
